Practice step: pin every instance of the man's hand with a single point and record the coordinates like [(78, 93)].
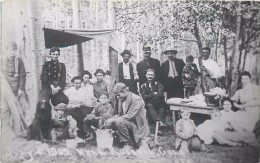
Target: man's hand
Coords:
[(187, 75), (109, 121), (203, 68)]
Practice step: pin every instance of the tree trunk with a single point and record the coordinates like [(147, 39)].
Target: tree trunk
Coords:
[(234, 61), (240, 48), (245, 53), (203, 74), (76, 24), (216, 48), (226, 63)]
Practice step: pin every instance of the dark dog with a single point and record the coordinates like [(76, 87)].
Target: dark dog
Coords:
[(41, 126)]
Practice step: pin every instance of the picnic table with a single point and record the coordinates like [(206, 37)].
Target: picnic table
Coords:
[(175, 107)]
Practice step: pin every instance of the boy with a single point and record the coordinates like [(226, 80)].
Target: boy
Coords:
[(185, 129), (189, 76), (100, 113), (64, 125)]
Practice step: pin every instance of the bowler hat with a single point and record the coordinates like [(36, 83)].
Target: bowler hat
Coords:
[(126, 52), (170, 50)]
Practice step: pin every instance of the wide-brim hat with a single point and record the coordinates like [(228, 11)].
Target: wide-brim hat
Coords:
[(170, 50), (61, 106), (99, 71), (147, 48), (59, 98), (126, 52)]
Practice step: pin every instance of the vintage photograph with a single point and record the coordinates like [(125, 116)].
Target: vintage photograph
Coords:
[(130, 81)]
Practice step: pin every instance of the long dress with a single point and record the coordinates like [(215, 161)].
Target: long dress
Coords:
[(244, 121), (247, 119)]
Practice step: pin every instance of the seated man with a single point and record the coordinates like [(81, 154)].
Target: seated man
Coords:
[(77, 108), (130, 124), (152, 93)]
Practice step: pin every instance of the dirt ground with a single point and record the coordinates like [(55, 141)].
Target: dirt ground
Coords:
[(164, 152)]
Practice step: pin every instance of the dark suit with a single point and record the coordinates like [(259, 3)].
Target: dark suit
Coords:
[(154, 101), (143, 65), (128, 82), (52, 73), (173, 86)]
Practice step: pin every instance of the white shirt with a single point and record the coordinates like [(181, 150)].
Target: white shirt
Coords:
[(75, 96), (172, 70), (126, 70), (89, 94), (212, 66), (123, 106)]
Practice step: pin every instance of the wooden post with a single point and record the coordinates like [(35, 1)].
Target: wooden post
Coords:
[(113, 53), (76, 24)]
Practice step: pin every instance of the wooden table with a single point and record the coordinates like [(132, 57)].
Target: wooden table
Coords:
[(175, 107)]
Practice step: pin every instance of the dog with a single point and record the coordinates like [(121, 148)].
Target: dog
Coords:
[(40, 128)]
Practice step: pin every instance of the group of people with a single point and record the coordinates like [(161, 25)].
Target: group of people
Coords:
[(226, 126), (63, 112)]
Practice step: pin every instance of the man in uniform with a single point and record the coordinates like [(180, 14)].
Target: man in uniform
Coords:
[(53, 77), (147, 63)]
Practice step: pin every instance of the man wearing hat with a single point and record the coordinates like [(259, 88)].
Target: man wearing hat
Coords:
[(53, 77), (127, 72), (64, 126), (130, 123), (172, 74), (148, 63)]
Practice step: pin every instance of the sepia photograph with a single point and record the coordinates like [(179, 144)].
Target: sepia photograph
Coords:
[(129, 81)]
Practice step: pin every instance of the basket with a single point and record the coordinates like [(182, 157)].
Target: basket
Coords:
[(211, 101), (104, 138)]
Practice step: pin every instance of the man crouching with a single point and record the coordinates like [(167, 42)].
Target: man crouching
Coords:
[(64, 126), (130, 123)]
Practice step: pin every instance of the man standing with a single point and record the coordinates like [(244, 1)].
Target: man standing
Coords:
[(127, 72), (53, 77), (152, 93), (172, 75), (211, 68), (12, 89), (147, 63), (130, 123)]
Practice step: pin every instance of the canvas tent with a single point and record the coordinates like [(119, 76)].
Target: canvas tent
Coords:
[(68, 37)]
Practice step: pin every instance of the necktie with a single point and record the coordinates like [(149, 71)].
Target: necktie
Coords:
[(173, 69), (147, 64)]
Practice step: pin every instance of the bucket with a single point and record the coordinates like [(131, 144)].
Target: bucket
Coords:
[(104, 138), (71, 143)]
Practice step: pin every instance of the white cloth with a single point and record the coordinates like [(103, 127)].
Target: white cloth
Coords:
[(172, 70), (75, 96), (126, 70), (123, 106), (89, 94), (212, 66), (207, 128)]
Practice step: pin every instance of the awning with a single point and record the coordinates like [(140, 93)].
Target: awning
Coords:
[(68, 37)]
